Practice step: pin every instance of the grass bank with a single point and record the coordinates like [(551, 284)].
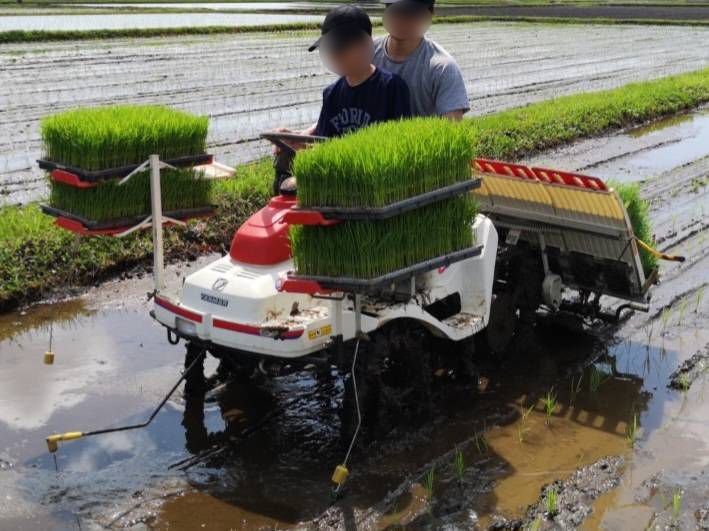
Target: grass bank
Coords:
[(18, 36), (37, 258)]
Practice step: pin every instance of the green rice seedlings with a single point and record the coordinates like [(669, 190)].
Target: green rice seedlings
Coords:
[(522, 425), (384, 163), (550, 403), (639, 214), (480, 443), (684, 383), (459, 465), (181, 189), (363, 249), (597, 378), (429, 481), (676, 503), (536, 525), (648, 332), (681, 311), (631, 432), (552, 502), (575, 388), (113, 136), (698, 298), (665, 317)]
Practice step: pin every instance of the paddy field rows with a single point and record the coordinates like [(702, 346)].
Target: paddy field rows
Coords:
[(255, 82)]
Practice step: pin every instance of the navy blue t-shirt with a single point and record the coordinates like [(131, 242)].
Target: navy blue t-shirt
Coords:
[(383, 96)]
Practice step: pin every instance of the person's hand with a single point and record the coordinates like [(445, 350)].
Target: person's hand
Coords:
[(276, 148)]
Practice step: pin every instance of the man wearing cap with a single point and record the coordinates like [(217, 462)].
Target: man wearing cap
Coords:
[(434, 78)]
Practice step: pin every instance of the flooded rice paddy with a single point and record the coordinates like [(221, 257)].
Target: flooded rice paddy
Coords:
[(251, 83), (628, 452), (69, 22)]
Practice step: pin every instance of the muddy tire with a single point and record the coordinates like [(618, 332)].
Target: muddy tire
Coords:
[(393, 373), (195, 382), (502, 325)]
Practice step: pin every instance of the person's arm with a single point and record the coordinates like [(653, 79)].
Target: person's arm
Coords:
[(310, 131), (455, 116), (451, 97)]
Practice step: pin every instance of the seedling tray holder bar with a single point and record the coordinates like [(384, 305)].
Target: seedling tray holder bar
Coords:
[(323, 284), (115, 226), (327, 215), (83, 178)]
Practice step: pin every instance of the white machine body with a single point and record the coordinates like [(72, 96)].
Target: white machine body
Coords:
[(239, 306)]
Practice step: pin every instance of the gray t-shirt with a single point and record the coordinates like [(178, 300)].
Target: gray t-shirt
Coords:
[(434, 78)]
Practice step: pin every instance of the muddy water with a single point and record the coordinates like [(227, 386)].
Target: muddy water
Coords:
[(113, 365)]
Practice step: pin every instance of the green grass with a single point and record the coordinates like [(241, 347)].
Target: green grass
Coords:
[(384, 163), (37, 258), (34, 258), (639, 213), (522, 131), (100, 138), (181, 189), (360, 249)]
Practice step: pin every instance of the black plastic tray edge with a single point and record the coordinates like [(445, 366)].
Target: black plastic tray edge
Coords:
[(124, 222), (394, 209), (421, 267), (99, 175)]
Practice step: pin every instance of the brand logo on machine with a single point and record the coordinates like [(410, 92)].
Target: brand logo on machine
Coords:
[(206, 297), (220, 284)]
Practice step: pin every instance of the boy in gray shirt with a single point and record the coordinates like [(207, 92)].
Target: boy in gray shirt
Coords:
[(434, 78)]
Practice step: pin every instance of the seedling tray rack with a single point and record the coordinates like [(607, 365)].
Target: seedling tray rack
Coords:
[(328, 215), (118, 225), (81, 178), (294, 283)]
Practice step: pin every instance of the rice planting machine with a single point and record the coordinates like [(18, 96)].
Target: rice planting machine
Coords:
[(545, 240)]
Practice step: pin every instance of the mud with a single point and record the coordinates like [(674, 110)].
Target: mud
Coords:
[(574, 496), (261, 453), (250, 83), (690, 370)]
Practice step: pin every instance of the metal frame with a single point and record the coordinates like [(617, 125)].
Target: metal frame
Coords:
[(123, 171)]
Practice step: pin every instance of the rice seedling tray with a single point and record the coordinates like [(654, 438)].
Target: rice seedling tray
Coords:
[(81, 225), (80, 178), (326, 215), (321, 284)]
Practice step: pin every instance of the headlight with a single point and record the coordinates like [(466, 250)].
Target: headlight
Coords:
[(186, 327)]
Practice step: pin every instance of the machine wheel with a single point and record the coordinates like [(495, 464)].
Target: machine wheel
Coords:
[(393, 374), (503, 323), (466, 369), (195, 383)]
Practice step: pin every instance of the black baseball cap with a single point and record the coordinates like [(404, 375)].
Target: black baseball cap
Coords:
[(342, 26), (411, 6)]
